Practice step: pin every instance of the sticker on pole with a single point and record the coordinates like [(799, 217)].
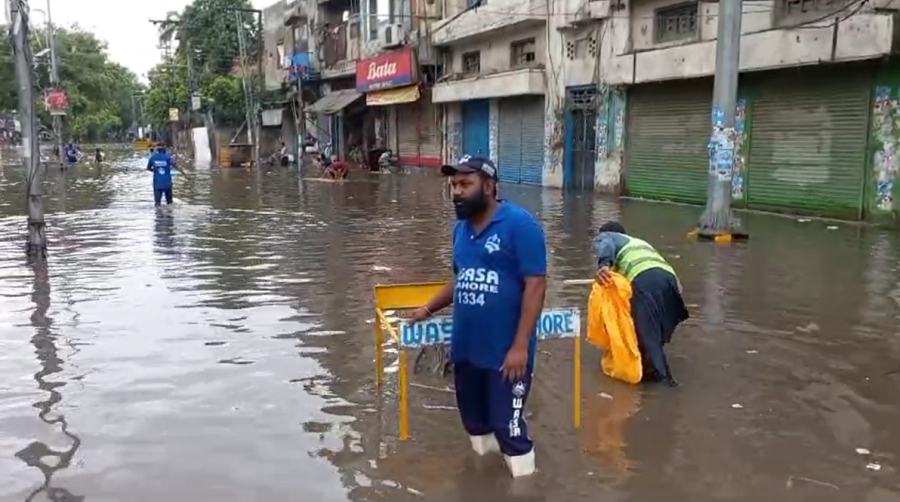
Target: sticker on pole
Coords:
[(56, 101), (553, 323)]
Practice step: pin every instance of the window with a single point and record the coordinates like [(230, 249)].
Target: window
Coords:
[(300, 33), (792, 11), (522, 53), (677, 22), (471, 63), (472, 3)]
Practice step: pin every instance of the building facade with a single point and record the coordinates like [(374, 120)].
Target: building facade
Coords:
[(624, 89)]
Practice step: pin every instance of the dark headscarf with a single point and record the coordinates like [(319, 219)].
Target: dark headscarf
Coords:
[(612, 226)]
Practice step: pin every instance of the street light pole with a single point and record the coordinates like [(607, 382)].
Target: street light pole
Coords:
[(54, 82), (36, 245)]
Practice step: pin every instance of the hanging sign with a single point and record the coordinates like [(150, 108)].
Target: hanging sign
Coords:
[(385, 71), (173, 114), (56, 101)]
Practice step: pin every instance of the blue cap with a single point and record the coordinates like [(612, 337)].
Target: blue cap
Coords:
[(469, 164)]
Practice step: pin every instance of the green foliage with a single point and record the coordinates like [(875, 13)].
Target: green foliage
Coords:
[(207, 43), (99, 90)]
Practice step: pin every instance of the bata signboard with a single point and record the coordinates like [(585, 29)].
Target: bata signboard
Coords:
[(385, 71)]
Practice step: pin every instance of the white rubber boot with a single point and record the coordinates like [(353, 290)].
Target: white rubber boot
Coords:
[(484, 444), (520, 465)]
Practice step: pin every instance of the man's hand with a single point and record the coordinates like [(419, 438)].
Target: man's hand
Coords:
[(420, 314), (604, 275), (516, 363)]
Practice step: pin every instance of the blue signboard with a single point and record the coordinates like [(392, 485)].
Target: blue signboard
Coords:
[(553, 323)]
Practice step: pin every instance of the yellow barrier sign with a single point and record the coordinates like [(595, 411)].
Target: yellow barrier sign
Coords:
[(552, 324)]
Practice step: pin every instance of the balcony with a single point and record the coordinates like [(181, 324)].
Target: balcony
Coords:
[(494, 15), (498, 85), (340, 47)]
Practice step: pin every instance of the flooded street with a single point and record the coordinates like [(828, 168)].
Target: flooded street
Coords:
[(223, 350)]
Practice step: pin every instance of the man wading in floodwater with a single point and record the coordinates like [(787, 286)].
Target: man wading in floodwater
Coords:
[(500, 263), (161, 163), (657, 307)]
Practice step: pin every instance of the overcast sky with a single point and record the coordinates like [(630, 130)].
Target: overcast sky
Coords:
[(123, 24)]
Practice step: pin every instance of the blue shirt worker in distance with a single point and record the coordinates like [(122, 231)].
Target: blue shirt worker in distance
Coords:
[(657, 306), (500, 264), (161, 163)]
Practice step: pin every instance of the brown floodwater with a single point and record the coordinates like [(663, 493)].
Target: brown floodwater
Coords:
[(223, 350)]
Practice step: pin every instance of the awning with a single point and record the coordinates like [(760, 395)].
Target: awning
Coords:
[(408, 94), (334, 102)]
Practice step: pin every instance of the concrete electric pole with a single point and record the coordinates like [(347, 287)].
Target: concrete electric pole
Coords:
[(717, 220), (54, 82), (36, 245)]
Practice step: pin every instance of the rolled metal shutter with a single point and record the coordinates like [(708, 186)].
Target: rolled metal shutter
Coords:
[(668, 132), (808, 141), (429, 132), (509, 141), (532, 165), (408, 134)]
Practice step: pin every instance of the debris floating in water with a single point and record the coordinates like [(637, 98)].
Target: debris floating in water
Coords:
[(863, 451), (737, 406), (604, 395), (873, 466)]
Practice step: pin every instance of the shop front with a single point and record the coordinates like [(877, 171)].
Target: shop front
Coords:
[(407, 119)]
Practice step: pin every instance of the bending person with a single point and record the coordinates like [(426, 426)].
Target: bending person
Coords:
[(657, 307)]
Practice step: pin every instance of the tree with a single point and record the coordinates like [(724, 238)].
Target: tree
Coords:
[(99, 90), (206, 32)]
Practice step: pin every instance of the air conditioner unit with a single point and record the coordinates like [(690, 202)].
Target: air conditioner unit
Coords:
[(392, 35)]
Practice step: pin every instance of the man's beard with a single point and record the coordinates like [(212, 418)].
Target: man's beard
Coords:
[(468, 208)]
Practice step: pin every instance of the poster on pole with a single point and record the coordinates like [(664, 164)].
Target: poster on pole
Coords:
[(173, 114), (56, 101)]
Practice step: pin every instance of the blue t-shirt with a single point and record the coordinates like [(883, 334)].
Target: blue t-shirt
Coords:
[(490, 270), (71, 153), (161, 163)]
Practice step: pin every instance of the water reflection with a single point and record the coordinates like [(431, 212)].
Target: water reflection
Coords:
[(37, 454)]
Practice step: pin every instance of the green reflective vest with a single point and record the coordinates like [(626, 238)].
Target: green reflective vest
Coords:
[(637, 256)]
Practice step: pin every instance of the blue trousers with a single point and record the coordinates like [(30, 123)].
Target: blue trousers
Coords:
[(158, 195), (489, 404)]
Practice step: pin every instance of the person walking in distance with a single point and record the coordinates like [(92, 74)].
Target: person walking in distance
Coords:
[(500, 263), (161, 163)]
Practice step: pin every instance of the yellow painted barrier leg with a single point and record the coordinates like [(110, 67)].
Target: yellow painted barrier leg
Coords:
[(577, 390), (379, 350), (404, 398)]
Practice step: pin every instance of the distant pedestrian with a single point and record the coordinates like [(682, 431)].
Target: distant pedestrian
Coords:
[(71, 152), (161, 163), (657, 306), (500, 263), (98, 156)]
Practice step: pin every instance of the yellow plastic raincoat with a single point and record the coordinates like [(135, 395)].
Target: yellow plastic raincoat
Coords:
[(610, 327)]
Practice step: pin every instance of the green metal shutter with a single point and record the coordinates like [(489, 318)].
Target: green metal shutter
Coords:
[(668, 132), (808, 141), (509, 141)]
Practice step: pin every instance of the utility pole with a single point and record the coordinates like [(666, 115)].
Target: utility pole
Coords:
[(54, 82), (717, 221), (36, 245), (252, 91)]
